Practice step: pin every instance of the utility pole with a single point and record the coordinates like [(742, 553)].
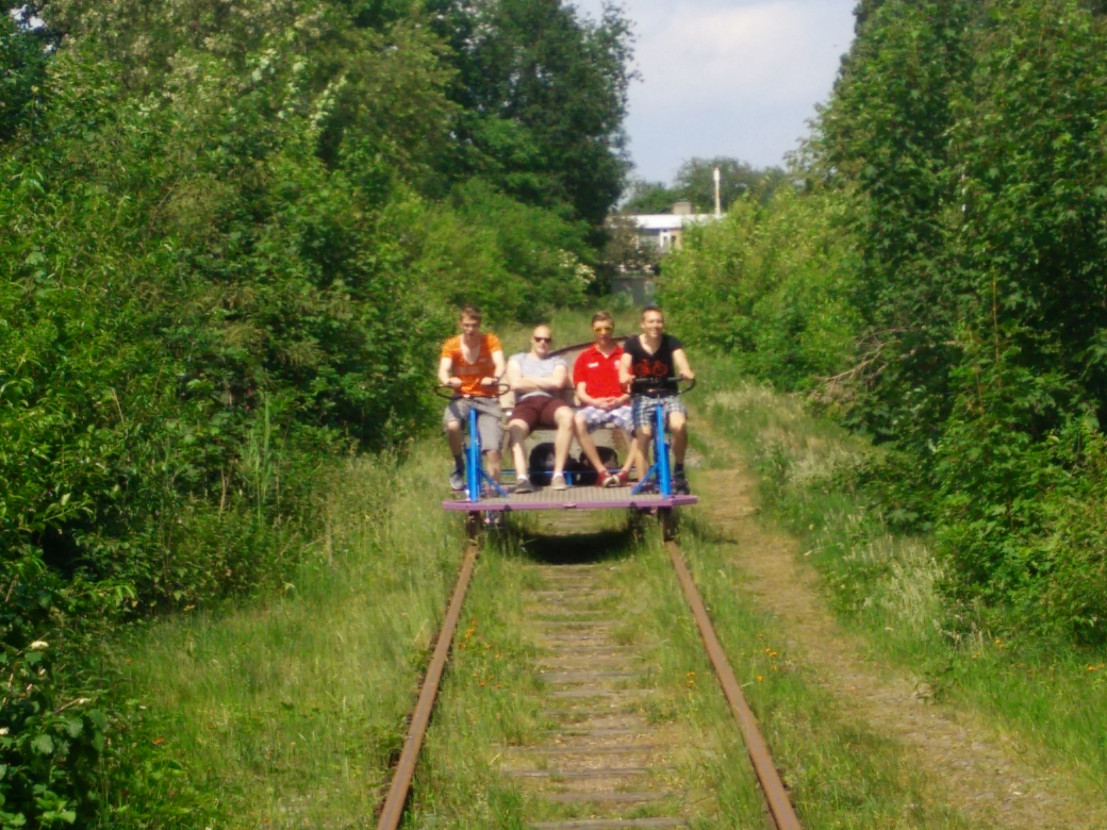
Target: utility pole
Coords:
[(718, 210)]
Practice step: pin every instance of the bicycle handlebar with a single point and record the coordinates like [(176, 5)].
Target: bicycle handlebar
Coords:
[(449, 392), (664, 386)]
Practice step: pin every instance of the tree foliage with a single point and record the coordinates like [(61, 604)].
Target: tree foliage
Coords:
[(543, 95), (962, 156), (695, 182), (231, 237)]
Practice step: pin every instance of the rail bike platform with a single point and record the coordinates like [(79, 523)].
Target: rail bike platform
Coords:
[(578, 497), (653, 494)]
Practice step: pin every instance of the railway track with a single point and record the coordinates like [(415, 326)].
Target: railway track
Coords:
[(603, 763)]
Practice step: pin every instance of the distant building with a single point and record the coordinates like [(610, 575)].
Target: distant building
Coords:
[(665, 231), (654, 235)]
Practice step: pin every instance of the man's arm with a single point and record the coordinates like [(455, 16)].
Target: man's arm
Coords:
[(680, 362), (514, 376), (625, 373), (558, 380), (526, 383), (584, 397), (498, 370), (445, 370), (602, 403)]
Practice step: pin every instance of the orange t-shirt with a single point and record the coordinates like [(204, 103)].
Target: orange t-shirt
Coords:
[(482, 367)]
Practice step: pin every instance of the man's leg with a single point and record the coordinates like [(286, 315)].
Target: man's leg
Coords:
[(634, 459), (587, 445), (642, 438), (453, 437), (452, 424), (494, 463), (518, 431), (678, 429), (563, 420)]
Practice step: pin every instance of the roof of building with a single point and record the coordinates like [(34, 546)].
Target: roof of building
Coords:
[(669, 221)]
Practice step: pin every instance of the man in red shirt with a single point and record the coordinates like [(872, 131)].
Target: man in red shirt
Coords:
[(605, 403), (473, 365)]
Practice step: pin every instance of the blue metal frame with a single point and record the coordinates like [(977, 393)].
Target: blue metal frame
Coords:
[(660, 469), (474, 466)]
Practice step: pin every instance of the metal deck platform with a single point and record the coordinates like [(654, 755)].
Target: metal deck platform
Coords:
[(579, 497)]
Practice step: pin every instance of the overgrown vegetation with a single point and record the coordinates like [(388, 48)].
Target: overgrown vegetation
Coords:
[(231, 238), (816, 482), (936, 284)]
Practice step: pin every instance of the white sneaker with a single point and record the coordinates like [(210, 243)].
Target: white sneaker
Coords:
[(558, 482)]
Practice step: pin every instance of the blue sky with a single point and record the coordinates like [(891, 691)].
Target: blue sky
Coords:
[(733, 78)]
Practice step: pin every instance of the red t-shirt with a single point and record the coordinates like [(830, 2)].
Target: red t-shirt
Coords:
[(599, 374), (482, 367)]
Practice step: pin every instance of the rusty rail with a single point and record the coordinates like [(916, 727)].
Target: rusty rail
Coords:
[(776, 797), (393, 810)]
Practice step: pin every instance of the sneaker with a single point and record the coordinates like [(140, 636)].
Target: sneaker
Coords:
[(523, 485), (457, 481), (558, 482), (680, 485), (647, 487), (615, 480)]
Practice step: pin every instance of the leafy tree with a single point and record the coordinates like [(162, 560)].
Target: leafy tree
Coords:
[(649, 197), (770, 285), (543, 96), (962, 176), (883, 141), (23, 58), (695, 181), (624, 250)]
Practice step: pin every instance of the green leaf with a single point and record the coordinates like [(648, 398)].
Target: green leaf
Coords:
[(43, 744)]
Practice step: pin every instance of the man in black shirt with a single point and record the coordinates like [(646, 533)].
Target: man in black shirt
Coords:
[(651, 364)]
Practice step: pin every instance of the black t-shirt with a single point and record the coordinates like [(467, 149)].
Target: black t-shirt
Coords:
[(653, 371)]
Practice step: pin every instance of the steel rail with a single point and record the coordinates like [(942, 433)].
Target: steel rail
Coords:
[(776, 797), (393, 810)]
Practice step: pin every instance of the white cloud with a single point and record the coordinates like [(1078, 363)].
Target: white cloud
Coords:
[(733, 78)]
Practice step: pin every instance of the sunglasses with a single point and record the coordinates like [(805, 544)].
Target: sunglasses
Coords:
[(543, 339)]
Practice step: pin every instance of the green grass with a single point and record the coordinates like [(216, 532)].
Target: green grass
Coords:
[(286, 713), (839, 773), (570, 327), (885, 587), (490, 701)]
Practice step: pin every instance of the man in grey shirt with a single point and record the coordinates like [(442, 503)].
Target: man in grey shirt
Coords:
[(537, 379)]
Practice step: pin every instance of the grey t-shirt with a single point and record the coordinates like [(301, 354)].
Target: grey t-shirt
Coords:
[(533, 367)]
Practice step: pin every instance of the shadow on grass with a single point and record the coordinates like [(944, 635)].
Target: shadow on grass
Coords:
[(575, 548)]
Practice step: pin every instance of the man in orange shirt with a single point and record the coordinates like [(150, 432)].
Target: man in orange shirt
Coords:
[(473, 365)]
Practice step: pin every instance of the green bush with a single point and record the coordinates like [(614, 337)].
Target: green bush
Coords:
[(770, 286)]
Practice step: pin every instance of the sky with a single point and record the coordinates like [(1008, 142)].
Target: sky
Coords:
[(732, 78)]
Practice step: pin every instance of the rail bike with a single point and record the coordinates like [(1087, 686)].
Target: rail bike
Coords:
[(485, 501)]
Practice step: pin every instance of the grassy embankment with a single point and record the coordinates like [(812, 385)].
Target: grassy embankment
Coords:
[(285, 713), (885, 587)]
